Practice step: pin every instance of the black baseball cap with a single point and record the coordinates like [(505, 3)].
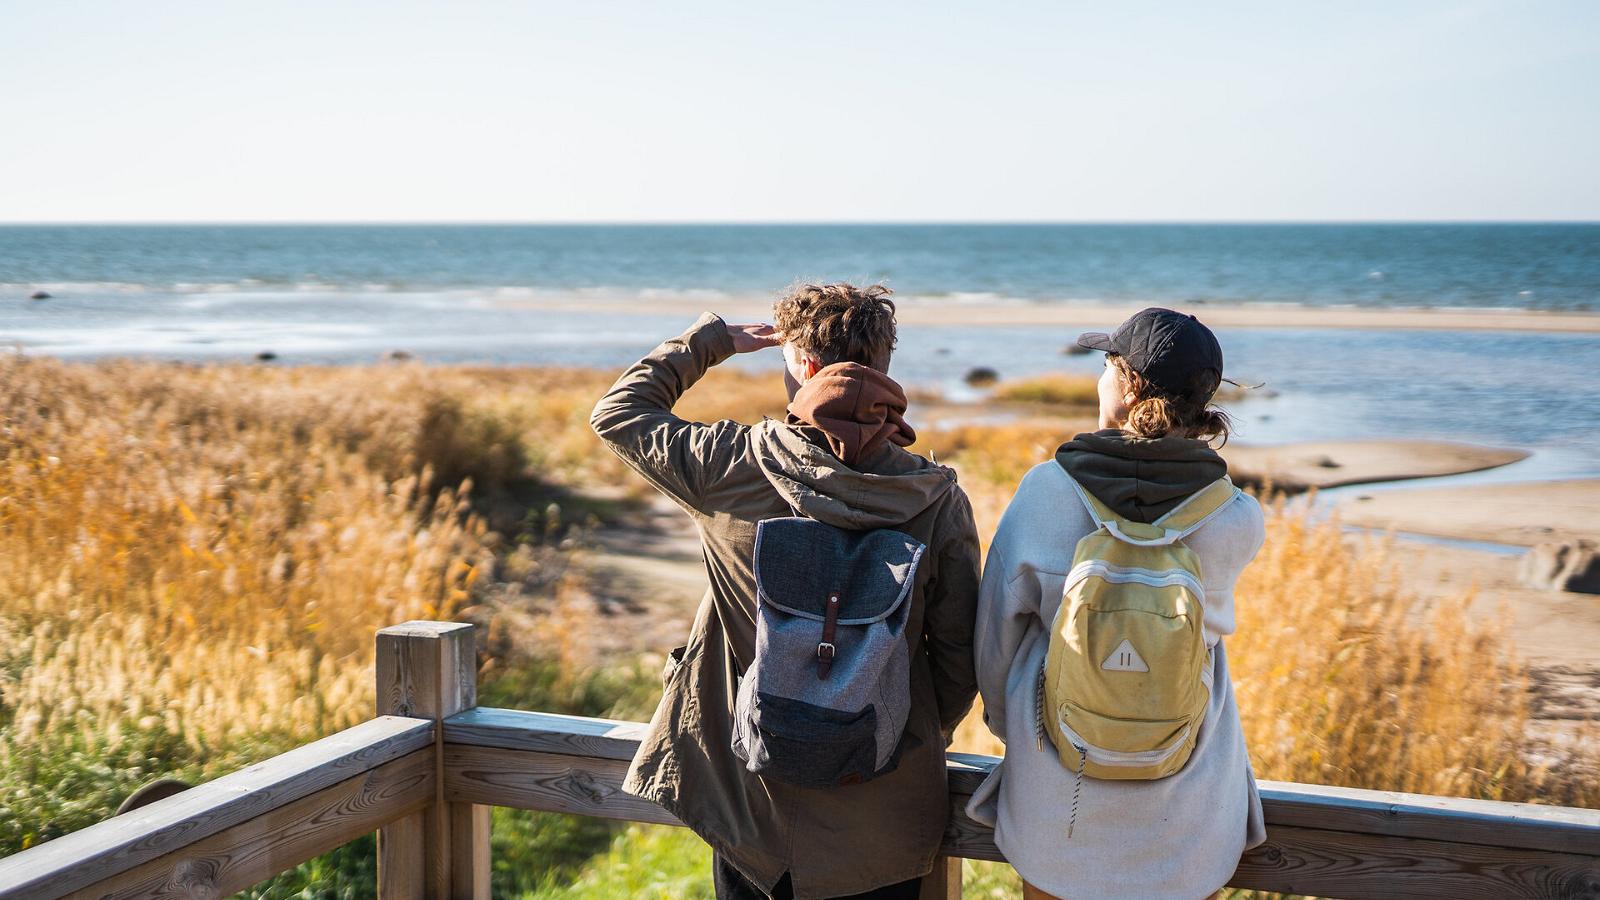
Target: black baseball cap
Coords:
[(1167, 347)]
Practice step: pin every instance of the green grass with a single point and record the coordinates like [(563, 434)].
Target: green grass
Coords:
[(650, 862)]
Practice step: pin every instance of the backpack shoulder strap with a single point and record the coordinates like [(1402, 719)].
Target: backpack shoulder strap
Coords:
[(1170, 528), (1200, 507)]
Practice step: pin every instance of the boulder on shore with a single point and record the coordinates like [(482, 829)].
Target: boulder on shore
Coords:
[(39, 295), (1562, 566), (982, 376)]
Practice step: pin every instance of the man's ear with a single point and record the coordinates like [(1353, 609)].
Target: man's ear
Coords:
[(810, 365)]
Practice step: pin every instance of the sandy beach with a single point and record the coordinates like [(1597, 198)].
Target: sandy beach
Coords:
[(915, 311)]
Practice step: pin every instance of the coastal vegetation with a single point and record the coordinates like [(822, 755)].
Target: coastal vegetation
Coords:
[(193, 560)]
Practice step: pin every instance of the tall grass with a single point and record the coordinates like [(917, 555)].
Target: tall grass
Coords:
[(204, 552), (193, 561)]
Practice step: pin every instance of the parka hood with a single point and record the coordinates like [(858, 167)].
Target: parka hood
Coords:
[(856, 408), (817, 484)]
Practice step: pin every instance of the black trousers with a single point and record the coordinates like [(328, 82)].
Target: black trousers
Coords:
[(733, 886)]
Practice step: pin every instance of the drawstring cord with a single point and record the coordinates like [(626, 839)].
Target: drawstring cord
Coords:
[(1077, 788), (1083, 752), (1038, 709)]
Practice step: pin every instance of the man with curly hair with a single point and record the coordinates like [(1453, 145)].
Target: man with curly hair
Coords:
[(839, 458)]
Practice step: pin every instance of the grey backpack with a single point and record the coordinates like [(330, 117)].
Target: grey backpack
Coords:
[(826, 700)]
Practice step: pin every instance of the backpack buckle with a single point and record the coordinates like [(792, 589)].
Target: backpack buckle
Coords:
[(825, 650)]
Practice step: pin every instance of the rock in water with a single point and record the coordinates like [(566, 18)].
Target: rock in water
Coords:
[(39, 295), (397, 355), (1562, 566), (982, 376), (266, 356), (1075, 350)]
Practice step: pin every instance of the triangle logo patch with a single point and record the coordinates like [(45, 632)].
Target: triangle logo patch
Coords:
[(1125, 659)]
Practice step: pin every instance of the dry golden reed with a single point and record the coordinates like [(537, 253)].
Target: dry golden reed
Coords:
[(207, 551)]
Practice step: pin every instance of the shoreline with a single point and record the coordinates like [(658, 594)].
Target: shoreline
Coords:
[(1519, 513), (922, 312)]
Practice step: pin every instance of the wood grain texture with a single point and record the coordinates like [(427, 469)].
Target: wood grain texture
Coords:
[(67, 863), (553, 782), (470, 861), (1491, 823), (400, 853), (545, 733), (254, 850), (430, 670), (944, 882), (1350, 865), (1329, 841)]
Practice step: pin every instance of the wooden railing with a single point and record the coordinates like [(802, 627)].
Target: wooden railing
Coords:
[(425, 773)]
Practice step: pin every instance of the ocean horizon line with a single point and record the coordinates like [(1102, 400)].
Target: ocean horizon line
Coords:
[(775, 223)]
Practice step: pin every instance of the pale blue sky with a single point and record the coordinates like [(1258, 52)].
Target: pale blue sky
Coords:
[(817, 111)]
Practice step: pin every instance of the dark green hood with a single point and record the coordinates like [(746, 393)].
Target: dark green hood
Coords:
[(1140, 479)]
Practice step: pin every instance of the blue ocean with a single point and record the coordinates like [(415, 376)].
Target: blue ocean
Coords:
[(1533, 266), (535, 294)]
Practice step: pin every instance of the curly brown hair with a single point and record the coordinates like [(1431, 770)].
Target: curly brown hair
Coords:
[(839, 322), (1154, 413)]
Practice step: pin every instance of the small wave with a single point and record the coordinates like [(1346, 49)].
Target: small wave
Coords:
[(76, 287)]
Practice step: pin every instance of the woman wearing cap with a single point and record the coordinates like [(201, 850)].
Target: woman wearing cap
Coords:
[(1176, 836)]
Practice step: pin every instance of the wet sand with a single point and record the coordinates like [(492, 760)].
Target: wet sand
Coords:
[(1305, 465), (1525, 514)]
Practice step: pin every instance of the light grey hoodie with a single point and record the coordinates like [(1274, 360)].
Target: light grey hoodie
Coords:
[(1179, 836)]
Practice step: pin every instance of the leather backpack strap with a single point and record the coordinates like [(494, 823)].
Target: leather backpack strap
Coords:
[(826, 651)]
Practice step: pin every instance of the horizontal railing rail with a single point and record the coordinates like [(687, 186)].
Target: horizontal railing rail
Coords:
[(242, 828), (426, 774), (1331, 842)]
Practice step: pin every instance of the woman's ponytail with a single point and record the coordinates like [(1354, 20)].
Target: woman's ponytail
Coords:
[(1155, 414)]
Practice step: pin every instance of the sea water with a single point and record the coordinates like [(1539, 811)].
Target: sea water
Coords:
[(459, 293)]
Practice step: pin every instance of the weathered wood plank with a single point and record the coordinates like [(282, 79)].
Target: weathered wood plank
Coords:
[(1334, 842), (258, 848), (1353, 866), (538, 732), (1527, 825), (471, 860), (571, 784), (120, 843), (944, 882), (400, 856), (430, 669)]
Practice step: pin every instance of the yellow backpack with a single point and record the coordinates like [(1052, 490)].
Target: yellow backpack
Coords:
[(1127, 677)]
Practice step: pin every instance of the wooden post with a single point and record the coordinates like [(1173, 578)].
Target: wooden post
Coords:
[(429, 670), (944, 882)]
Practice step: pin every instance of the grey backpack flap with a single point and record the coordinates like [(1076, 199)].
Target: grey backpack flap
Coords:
[(826, 700)]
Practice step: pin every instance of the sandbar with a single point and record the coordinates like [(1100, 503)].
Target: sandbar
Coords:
[(1524, 513), (1306, 465)]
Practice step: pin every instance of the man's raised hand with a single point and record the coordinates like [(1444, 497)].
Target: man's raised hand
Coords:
[(749, 338)]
